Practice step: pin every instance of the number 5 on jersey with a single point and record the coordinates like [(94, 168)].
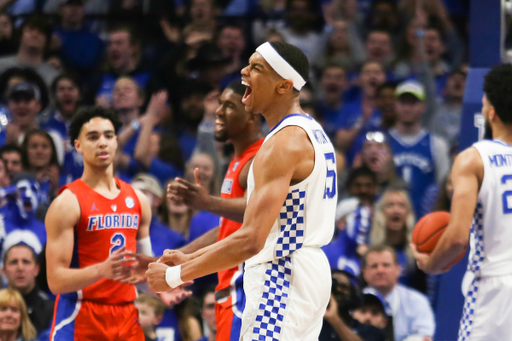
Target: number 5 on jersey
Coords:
[(117, 241), (330, 180)]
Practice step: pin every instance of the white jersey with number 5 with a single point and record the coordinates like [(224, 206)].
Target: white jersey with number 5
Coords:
[(307, 216), (491, 233)]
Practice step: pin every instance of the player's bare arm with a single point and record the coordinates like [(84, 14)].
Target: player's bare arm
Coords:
[(59, 250), (286, 159), (196, 196), (467, 176)]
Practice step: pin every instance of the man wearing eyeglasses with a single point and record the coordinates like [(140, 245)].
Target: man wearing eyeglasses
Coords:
[(421, 158)]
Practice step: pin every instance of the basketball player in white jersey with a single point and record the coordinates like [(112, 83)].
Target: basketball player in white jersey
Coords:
[(290, 212), (482, 181)]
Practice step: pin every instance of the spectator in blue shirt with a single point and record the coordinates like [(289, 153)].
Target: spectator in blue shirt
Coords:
[(329, 107), (79, 48), (67, 95), (360, 114), (162, 237), (410, 310), (11, 156), (39, 157), (123, 58), (157, 154), (19, 215)]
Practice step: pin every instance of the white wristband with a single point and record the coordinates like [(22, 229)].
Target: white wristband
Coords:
[(173, 276)]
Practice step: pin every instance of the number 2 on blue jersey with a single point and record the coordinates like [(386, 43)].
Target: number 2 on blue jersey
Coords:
[(330, 181), (117, 241), (506, 208)]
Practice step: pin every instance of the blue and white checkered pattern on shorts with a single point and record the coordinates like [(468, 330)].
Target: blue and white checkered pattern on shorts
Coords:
[(476, 257), (291, 220), (269, 320)]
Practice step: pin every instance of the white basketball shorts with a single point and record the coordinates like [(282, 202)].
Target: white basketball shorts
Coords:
[(286, 298), (487, 312)]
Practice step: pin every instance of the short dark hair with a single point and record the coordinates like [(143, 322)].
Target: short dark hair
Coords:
[(64, 76), (132, 32), (360, 171), (22, 244), (334, 65), (39, 23), (378, 249), (24, 147), (294, 56), (386, 85), (237, 87), (10, 148), (86, 114), (498, 89)]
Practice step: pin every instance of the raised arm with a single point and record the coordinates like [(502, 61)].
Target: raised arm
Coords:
[(467, 176), (59, 250), (156, 109), (289, 157)]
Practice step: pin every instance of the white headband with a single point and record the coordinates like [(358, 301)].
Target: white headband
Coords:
[(280, 65)]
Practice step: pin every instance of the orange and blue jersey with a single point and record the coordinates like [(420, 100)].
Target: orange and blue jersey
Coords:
[(229, 291), (100, 309)]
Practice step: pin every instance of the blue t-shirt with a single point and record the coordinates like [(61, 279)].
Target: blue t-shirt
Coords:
[(330, 118), (163, 171), (349, 115), (201, 223), (163, 238), (13, 222), (56, 125), (415, 164), (168, 329), (80, 49), (188, 143), (109, 80)]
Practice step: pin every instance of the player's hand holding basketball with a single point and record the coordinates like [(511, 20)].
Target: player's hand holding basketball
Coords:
[(156, 277), (115, 267), (195, 196)]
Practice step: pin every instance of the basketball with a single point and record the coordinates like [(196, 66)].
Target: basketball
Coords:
[(429, 230)]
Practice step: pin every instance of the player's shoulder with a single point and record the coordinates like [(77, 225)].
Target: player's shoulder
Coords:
[(67, 202)]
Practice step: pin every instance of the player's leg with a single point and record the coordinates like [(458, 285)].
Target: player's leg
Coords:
[(310, 294), (64, 315), (490, 306), (286, 299), (228, 316), (127, 317)]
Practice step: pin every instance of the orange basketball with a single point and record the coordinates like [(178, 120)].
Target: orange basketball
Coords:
[(429, 230)]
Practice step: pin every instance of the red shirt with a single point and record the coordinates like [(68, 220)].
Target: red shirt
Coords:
[(105, 225), (231, 189)]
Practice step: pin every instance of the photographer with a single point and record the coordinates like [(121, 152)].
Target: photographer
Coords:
[(340, 326)]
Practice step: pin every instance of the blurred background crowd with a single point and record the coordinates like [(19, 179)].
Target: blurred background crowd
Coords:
[(387, 80)]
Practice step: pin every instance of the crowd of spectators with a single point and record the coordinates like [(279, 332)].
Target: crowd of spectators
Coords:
[(387, 80)]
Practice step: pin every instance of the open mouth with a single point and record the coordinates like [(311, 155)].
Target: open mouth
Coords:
[(219, 125), (396, 219), (248, 91)]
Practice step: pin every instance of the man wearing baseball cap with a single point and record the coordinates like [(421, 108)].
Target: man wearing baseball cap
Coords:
[(421, 158), (23, 100), (161, 236)]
